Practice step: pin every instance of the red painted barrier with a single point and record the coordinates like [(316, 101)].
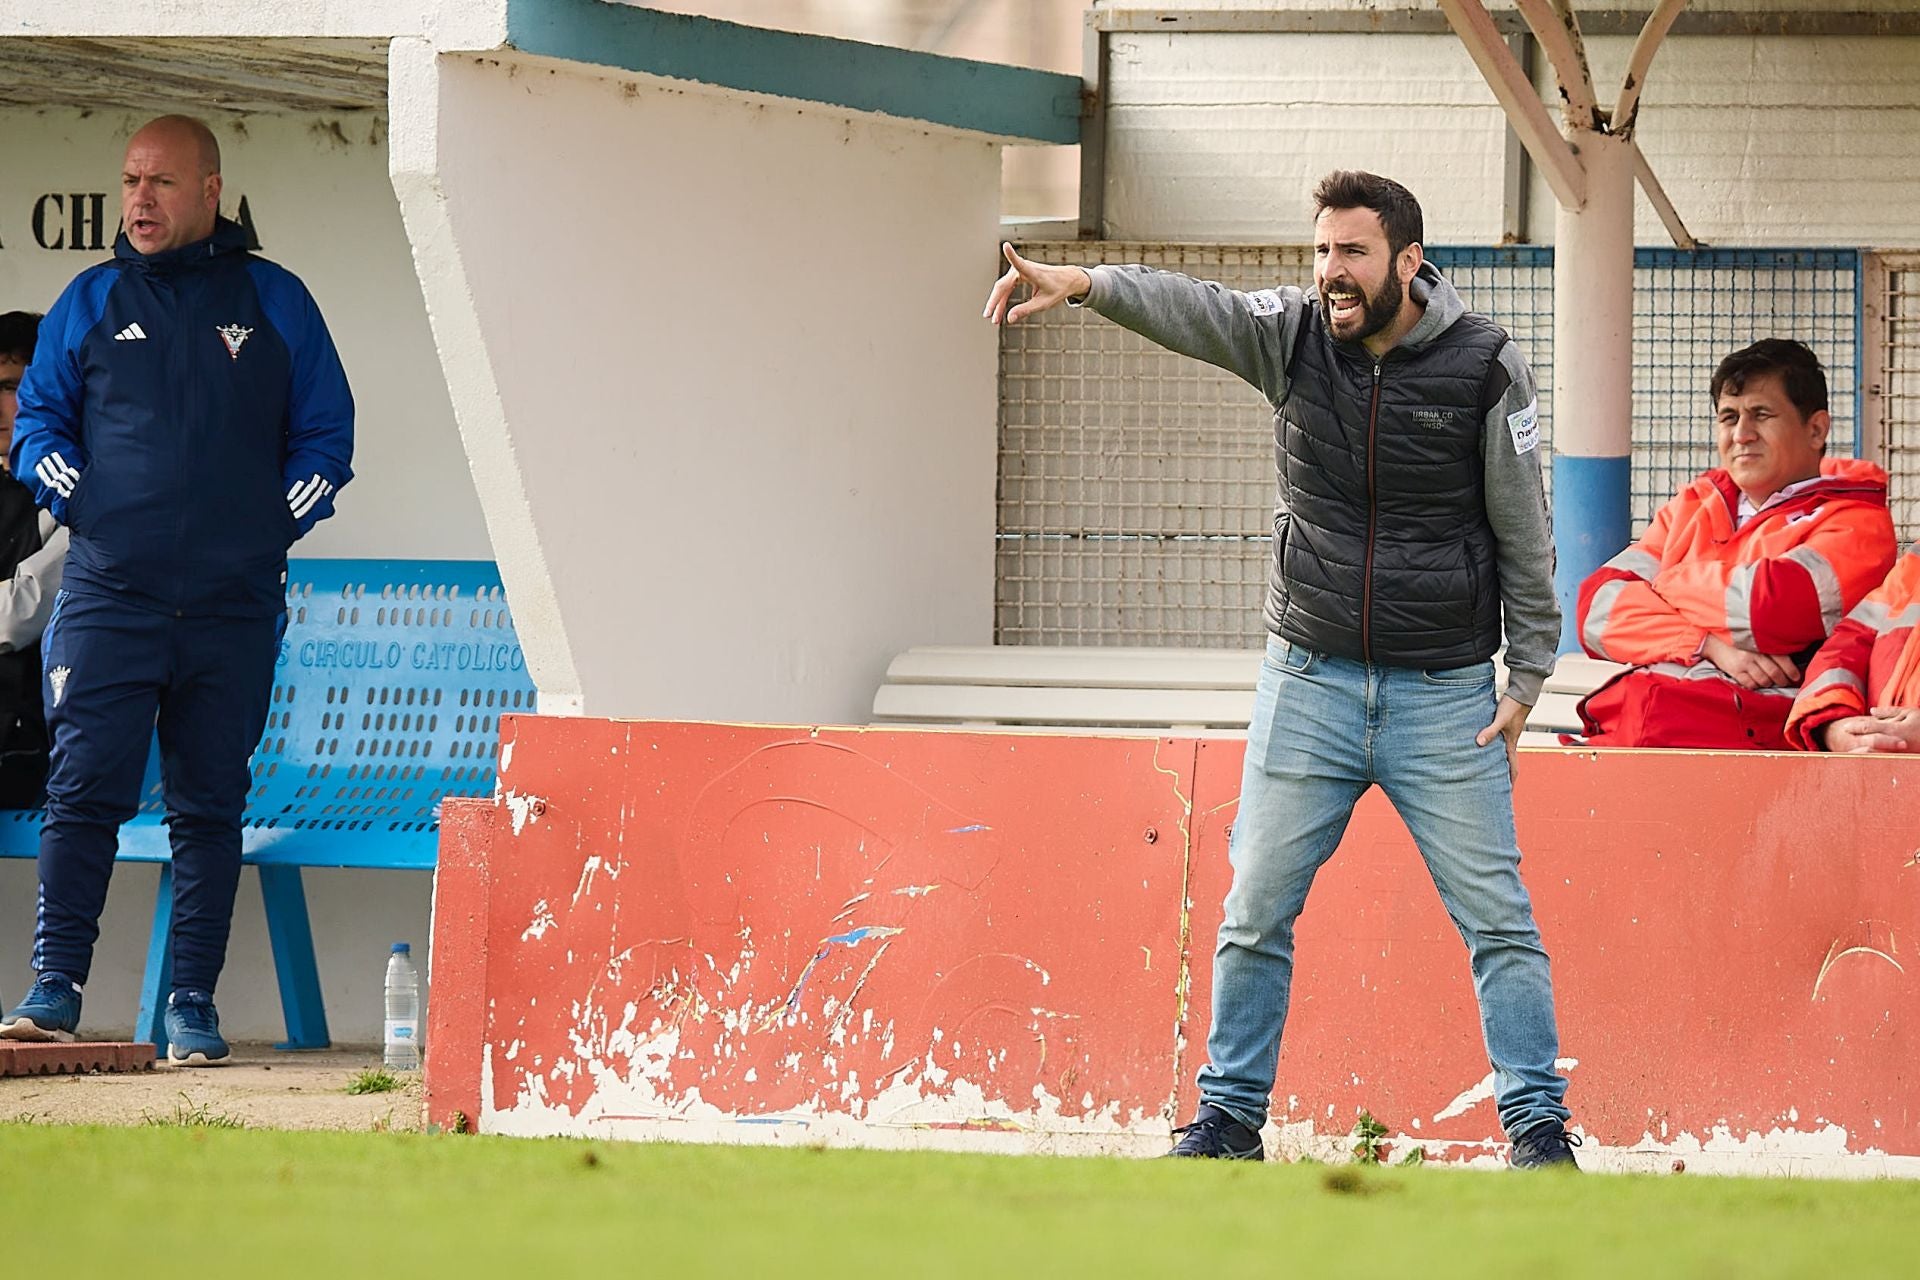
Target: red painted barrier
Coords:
[(1729, 935), (713, 925), (457, 965), (904, 938)]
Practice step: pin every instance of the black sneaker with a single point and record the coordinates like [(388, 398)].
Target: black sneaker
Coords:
[(1215, 1135), (1545, 1146)]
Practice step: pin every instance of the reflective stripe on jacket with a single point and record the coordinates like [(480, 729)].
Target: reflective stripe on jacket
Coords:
[(1871, 660), (1780, 584)]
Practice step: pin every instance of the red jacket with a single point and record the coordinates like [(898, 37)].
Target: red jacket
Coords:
[(1778, 584), (1872, 660)]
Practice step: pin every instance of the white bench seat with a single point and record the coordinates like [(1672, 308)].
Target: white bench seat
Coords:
[(1041, 705), (1055, 666), (1132, 690)]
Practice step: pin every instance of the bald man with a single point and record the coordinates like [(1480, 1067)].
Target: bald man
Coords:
[(185, 416)]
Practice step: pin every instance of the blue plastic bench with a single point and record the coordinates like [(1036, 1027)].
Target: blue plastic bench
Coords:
[(391, 683)]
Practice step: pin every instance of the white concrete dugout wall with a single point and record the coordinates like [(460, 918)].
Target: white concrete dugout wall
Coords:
[(734, 423), (729, 430), (1768, 123)]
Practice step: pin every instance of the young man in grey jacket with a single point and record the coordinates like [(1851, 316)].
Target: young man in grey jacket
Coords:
[(1411, 531)]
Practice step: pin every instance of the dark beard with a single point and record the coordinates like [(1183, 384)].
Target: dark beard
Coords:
[(1376, 311)]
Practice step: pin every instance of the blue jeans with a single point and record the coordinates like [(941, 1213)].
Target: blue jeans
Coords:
[(1325, 729)]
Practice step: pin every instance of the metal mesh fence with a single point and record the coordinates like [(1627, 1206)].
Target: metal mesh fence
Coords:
[(1136, 486), (1690, 309), (1898, 339)]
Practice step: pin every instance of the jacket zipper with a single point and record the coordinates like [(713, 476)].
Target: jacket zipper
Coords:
[(186, 299), (1373, 514)]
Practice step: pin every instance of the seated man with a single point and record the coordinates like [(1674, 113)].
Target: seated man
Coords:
[(33, 550), (1742, 574), (1863, 688)]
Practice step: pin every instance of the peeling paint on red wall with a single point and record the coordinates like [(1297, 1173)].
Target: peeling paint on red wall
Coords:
[(755, 933), (731, 925)]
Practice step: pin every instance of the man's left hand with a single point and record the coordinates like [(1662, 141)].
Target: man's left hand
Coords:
[(1509, 719)]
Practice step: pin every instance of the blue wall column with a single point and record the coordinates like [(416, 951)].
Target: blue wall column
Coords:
[(1591, 524)]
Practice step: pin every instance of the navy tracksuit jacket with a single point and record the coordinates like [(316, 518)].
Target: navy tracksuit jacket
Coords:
[(187, 418)]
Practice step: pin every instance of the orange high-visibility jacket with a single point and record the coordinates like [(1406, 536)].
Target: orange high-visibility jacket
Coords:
[(1778, 585), (1871, 660)]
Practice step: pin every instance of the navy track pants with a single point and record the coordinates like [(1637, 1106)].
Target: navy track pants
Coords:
[(112, 672)]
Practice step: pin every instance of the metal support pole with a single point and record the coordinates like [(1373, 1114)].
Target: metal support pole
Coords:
[(1093, 130), (1592, 370), (1871, 348), (1516, 197)]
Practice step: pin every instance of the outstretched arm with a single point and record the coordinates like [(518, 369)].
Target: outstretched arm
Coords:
[(1247, 334)]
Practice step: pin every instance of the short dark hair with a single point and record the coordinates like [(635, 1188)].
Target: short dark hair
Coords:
[(1799, 369), (1398, 211), (19, 332)]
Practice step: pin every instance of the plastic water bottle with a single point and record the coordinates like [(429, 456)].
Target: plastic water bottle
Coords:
[(403, 1010)]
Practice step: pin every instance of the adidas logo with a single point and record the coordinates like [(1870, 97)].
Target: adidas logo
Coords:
[(305, 495), (132, 333), (55, 473)]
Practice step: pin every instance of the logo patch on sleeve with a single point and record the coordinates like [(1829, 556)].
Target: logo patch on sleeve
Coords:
[(1524, 427), (1265, 302)]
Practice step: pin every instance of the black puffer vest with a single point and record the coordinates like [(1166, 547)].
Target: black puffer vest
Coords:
[(1382, 551)]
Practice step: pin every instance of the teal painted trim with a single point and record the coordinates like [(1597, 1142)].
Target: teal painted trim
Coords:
[(984, 97)]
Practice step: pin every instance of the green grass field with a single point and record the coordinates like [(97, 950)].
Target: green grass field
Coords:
[(198, 1201)]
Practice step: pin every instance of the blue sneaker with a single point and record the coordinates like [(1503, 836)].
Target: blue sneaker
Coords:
[(193, 1031), (51, 1011)]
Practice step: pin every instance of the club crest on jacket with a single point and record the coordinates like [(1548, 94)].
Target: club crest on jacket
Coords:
[(233, 335)]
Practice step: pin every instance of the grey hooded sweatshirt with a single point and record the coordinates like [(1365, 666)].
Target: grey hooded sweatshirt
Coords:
[(1252, 336)]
